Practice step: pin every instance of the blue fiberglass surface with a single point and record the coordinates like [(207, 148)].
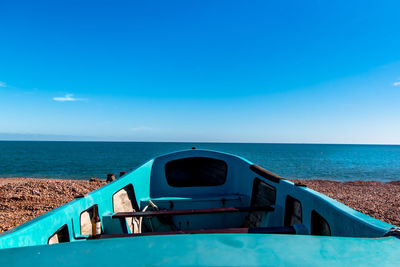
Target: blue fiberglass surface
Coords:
[(211, 250), (38, 230), (24, 245), (351, 212)]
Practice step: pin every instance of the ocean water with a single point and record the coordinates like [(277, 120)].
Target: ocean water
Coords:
[(81, 160)]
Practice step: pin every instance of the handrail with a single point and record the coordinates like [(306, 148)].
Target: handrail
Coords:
[(190, 212), (259, 230)]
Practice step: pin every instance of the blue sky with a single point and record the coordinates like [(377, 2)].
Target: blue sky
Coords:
[(225, 71)]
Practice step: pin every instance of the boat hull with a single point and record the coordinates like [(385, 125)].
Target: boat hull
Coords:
[(212, 250)]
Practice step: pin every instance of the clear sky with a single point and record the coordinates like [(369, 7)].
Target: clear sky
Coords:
[(226, 71)]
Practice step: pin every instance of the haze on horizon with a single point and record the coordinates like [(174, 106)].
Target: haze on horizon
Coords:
[(206, 71)]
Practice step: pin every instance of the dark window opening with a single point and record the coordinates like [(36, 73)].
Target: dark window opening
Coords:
[(319, 226), (262, 195), (293, 213), (197, 171), (60, 236)]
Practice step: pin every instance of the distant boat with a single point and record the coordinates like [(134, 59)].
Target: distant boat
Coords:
[(202, 208)]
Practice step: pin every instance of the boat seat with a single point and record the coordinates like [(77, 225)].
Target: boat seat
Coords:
[(198, 202), (259, 230), (112, 226), (121, 215)]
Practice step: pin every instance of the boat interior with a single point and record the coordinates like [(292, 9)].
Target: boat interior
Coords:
[(196, 192)]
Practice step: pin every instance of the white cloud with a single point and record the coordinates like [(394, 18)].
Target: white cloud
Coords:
[(67, 97), (141, 129), (396, 83), (3, 84)]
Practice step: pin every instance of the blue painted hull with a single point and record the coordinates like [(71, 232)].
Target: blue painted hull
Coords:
[(212, 250), (354, 238)]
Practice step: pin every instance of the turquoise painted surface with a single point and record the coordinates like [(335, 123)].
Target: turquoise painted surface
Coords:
[(80, 160), (38, 230), (149, 182), (212, 250)]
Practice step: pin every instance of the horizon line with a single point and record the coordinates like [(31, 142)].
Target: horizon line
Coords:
[(203, 142)]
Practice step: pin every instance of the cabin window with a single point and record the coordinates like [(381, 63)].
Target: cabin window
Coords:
[(86, 220), (293, 212), (262, 195), (196, 171), (124, 200), (60, 236), (319, 226)]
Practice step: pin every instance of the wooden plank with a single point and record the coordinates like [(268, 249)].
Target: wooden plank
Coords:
[(190, 212), (259, 230), (266, 174)]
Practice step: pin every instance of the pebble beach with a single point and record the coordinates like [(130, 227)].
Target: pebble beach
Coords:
[(23, 199)]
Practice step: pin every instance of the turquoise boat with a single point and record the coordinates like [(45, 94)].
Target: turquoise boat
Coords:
[(201, 208)]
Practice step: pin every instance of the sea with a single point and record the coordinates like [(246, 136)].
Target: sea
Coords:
[(83, 160)]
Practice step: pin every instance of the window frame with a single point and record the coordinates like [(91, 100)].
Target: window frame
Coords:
[(190, 182)]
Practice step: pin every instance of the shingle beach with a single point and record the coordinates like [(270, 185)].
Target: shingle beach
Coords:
[(23, 199)]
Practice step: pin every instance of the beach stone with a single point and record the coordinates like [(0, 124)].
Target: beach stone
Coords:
[(23, 199), (110, 177)]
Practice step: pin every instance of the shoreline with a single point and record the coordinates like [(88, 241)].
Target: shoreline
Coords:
[(23, 199)]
